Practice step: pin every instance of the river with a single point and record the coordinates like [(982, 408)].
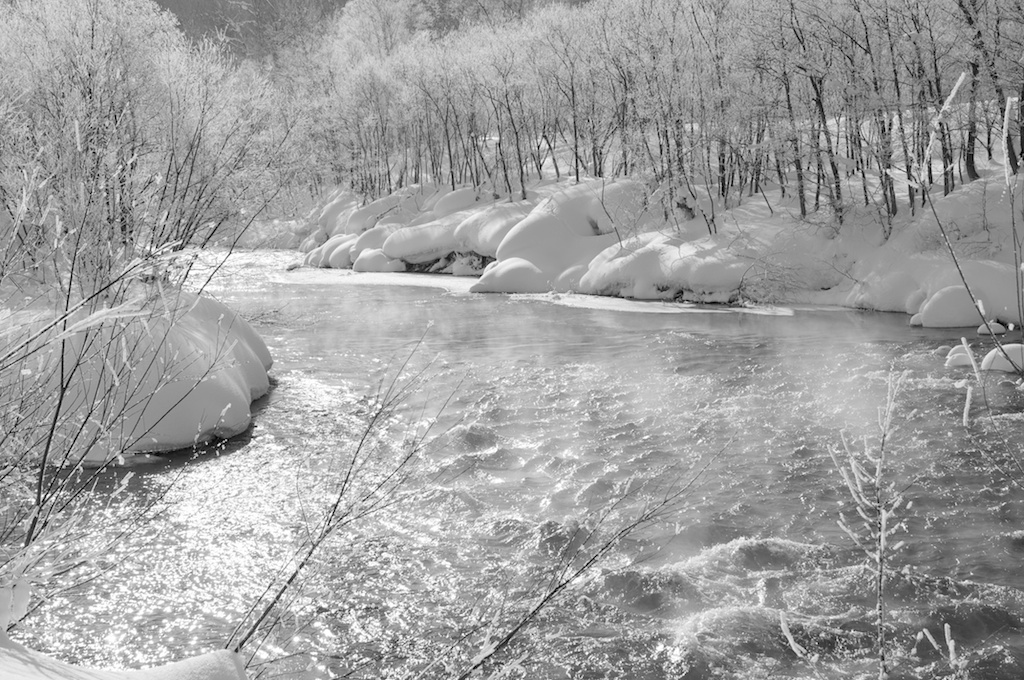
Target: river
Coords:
[(563, 419)]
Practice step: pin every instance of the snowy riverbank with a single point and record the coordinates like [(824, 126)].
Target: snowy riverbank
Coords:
[(612, 238)]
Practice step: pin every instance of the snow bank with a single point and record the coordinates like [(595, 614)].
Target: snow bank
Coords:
[(599, 237), (996, 359), (20, 663), (195, 368)]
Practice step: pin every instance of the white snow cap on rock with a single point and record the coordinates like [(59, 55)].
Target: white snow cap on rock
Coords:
[(552, 246), (426, 242), (655, 266), (197, 366), (483, 231), (17, 662)]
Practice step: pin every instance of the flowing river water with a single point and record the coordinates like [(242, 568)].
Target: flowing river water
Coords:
[(567, 417)]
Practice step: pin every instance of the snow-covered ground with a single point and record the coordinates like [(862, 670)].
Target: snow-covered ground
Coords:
[(613, 238), (19, 663)]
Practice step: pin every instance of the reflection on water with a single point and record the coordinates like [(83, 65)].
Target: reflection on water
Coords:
[(565, 416)]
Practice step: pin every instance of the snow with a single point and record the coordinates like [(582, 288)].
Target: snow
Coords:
[(992, 328), (454, 201), (197, 366), (613, 238), (425, 242), (996, 360), (661, 266), (484, 230), (372, 239), (20, 663), (949, 307), (374, 260), (958, 356), (551, 247)]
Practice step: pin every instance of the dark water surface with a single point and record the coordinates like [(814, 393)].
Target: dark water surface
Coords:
[(566, 418)]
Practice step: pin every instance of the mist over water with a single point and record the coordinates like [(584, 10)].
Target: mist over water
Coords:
[(558, 413)]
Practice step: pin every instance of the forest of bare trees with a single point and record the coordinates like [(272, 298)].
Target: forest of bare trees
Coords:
[(811, 99), (828, 104)]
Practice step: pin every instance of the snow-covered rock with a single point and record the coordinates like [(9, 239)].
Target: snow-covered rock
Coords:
[(958, 356), (340, 256), (551, 247), (195, 367), (372, 239), (996, 360), (659, 266), (454, 201), (949, 307), (992, 328), (374, 260), (425, 242), (483, 231)]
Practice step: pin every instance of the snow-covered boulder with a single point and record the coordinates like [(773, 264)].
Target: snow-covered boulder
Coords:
[(182, 375), (372, 239), (657, 266), (950, 307), (339, 256), (483, 231), (376, 261), (454, 201), (329, 217), (991, 328), (321, 255), (996, 360), (551, 247), (425, 242), (317, 238), (959, 356)]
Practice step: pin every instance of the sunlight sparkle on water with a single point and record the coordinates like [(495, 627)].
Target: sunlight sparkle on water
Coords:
[(558, 412)]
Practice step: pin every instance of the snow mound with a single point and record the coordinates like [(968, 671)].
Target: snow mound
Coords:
[(20, 663), (335, 248), (958, 356), (992, 328), (930, 288), (454, 201), (483, 231), (374, 260), (372, 239), (996, 360), (195, 367), (426, 242), (551, 247), (950, 307), (659, 266)]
